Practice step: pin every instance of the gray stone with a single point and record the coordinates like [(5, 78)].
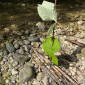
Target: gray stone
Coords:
[(26, 73), (21, 50), (41, 26), (26, 42), (27, 32), (20, 43), (16, 46), (39, 76), (20, 58), (10, 47), (33, 39), (45, 80), (5, 52), (36, 82), (26, 48), (14, 72), (15, 63)]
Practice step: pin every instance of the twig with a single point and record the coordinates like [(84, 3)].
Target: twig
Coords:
[(57, 69), (77, 43)]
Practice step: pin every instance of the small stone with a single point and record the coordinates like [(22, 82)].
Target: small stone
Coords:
[(20, 58), (7, 30), (7, 81), (26, 73), (27, 32), (15, 63), (41, 26), (26, 48), (39, 76), (36, 44), (36, 82), (14, 72), (16, 46), (20, 43), (80, 78), (10, 47), (21, 50), (22, 37), (45, 80), (4, 59), (2, 62), (80, 22), (26, 42)]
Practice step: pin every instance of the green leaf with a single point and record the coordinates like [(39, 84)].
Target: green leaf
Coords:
[(48, 48), (47, 11), (55, 60), (51, 29)]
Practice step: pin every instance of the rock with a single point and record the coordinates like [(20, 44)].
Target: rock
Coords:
[(20, 51), (23, 37), (20, 58), (41, 26), (27, 32), (45, 80), (5, 52), (80, 78), (14, 72), (33, 38), (7, 30), (10, 47), (7, 81), (80, 22), (4, 59), (20, 43), (15, 63), (26, 42), (59, 31), (35, 44), (31, 51), (16, 46), (14, 26), (39, 76), (26, 48), (36, 82), (83, 51), (26, 73), (29, 64)]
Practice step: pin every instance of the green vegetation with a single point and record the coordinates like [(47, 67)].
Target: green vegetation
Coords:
[(51, 45)]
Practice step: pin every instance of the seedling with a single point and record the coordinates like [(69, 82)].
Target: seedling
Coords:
[(51, 45)]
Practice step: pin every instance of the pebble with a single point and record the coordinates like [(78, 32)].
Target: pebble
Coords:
[(26, 42), (10, 47), (39, 76), (45, 80), (41, 26), (80, 22), (26, 48), (27, 32), (14, 72), (21, 50), (36, 82), (36, 44), (20, 58), (15, 63), (26, 73), (16, 46), (80, 78), (7, 81)]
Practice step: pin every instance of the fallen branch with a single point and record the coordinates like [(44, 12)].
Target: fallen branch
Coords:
[(77, 43), (55, 71)]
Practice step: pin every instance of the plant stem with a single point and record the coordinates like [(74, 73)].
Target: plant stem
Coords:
[(53, 36)]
